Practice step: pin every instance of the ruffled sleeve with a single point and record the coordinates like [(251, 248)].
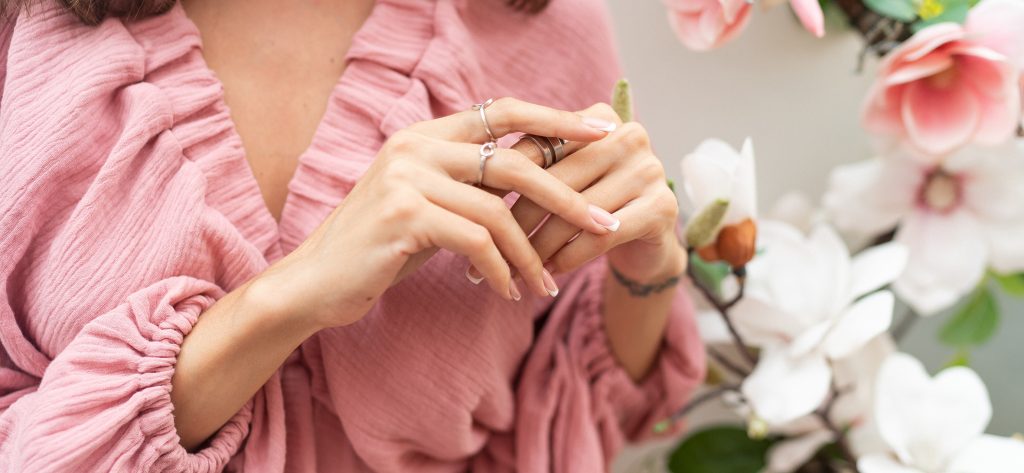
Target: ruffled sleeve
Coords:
[(572, 382), (103, 404)]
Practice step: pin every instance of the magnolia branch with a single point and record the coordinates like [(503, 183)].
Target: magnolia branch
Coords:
[(824, 413)]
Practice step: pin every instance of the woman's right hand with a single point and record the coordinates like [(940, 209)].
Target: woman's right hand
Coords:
[(419, 195)]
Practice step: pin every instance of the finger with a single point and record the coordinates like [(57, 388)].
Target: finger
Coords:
[(507, 115), (577, 171), (611, 193), (599, 110), (491, 212), (511, 171), (639, 221), (460, 235)]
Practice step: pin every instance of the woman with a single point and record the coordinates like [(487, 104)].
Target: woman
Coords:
[(188, 289)]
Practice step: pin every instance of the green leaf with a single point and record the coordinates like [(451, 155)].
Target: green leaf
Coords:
[(671, 185), (703, 228), (974, 323), (709, 275), (1013, 284), (723, 449), (903, 10), (622, 100), (955, 11)]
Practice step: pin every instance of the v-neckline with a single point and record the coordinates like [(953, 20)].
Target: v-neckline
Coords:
[(232, 129)]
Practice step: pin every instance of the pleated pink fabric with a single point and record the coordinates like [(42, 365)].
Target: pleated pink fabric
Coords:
[(127, 208)]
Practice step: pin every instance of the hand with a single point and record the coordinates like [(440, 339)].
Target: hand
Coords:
[(419, 195), (621, 173)]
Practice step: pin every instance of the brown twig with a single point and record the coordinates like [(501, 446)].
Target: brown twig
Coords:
[(723, 310), (703, 398), (728, 364)]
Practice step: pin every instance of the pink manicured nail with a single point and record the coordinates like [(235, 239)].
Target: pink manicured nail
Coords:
[(603, 218), (603, 125), (549, 283), (513, 290), (473, 275)]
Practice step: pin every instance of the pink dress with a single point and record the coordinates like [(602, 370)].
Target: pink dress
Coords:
[(127, 208)]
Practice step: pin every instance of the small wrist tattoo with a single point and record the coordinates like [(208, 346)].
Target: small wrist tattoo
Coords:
[(637, 289)]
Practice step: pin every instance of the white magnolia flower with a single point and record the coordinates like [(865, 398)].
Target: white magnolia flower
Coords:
[(715, 171), (957, 217), (808, 303), (720, 196), (856, 376), (936, 425)]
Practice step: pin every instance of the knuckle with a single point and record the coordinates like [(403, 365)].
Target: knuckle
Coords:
[(401, 143), (604, 111), (402, 207), (651, 170), (634, 136), (478, 239), (494, 206), (399, 172), (667, 205)]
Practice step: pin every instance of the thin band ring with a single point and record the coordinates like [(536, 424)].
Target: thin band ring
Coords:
[(483, 117), (487, 150)]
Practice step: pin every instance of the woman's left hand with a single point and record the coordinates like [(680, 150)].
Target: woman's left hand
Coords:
[(621, 174)]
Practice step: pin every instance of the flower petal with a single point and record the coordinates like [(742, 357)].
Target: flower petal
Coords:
[(810, 14), (948, 255), (877, 266), (939, 120), (708, 173), (996, 24), (782, 388), (911, 71), (863, 321), (882, 464), (869, 198), (927, 421), (744, 188), (990, 454), (788, 455)]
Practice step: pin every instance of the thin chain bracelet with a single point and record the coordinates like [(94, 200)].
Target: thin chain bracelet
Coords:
[(637, 289)]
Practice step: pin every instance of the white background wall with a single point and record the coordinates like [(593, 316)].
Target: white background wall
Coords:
[(799, 99)]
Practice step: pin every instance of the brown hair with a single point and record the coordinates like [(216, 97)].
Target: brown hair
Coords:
[(92, 12)]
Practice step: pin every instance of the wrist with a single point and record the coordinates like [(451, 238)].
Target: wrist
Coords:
[(668, 259), (277, 306)]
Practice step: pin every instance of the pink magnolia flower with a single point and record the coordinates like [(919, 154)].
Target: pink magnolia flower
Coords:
[(947, 87), (957, 216), (706, 24)]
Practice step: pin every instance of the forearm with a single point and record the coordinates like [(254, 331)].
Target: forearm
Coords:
[(635, 324), (235, 347)]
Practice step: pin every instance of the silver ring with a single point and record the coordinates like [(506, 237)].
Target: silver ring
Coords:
[(483, 116), (545, 150), (486, 151), (557, 147)]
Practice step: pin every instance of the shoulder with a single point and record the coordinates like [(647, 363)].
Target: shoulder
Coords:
[(563, 56)]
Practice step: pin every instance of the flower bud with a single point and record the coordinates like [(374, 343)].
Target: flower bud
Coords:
[(737, 243)]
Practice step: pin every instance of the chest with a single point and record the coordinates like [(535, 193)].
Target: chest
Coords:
[(278, 67)]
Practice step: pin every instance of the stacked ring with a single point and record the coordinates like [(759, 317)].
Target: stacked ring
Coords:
[(551, 149)]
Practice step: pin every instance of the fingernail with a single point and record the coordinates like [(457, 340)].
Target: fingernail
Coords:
[(603, 125), (513, 290), (549, 283), (473, 275), (603, 218)]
